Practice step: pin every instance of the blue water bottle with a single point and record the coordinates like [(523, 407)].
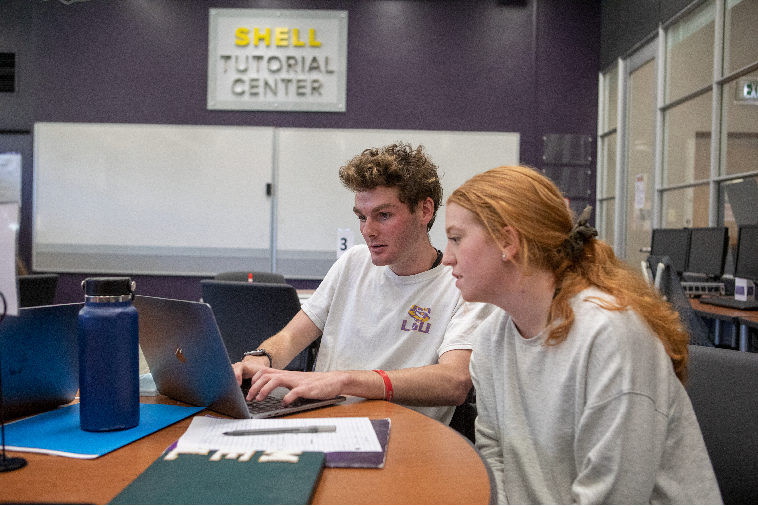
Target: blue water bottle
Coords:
[(108, 356)]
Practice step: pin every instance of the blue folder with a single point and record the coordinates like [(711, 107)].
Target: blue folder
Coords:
[(58, 432)]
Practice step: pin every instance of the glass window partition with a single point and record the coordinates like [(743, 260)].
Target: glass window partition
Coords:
[(640, 178), (705, 98), (687, 141), (610, 99), (689, 53), (608, 160), (741, 35), (685, 207), (605, 218), (739, 123)]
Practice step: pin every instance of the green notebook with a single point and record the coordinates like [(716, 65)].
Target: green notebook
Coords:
[(205, 479)]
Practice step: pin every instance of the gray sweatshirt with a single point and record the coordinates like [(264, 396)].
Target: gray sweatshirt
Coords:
[(599, 418)]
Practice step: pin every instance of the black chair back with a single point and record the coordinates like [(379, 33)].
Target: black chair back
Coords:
[(670, 286), (249, 313), (722, 386), (36, 289), (257, 276)]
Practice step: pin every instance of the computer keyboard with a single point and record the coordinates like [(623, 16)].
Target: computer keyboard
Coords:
[(272, 403), (268, 404), (731, 303)]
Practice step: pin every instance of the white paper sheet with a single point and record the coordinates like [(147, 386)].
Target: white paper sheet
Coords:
[(354, 434)]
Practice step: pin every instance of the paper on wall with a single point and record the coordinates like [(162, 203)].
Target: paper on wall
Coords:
[(8, 233), (10, 177)]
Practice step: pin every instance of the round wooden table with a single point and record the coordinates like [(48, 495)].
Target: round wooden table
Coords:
[(426, 463)]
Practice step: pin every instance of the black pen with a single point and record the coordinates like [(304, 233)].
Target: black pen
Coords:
[(283, 430)]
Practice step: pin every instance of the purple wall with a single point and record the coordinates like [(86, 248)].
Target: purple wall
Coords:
[(461, 65), (431, 65)]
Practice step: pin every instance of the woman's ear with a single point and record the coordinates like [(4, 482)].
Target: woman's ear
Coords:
[(509, 243)]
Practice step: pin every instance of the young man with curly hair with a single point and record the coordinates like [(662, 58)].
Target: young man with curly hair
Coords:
[(393, 324)]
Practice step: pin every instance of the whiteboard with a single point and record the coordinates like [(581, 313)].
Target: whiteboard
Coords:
[(191, 200), (312, 203), (156, 199)]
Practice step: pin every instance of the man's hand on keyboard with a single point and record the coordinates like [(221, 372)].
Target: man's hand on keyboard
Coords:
[(308, 385), (248, 367)]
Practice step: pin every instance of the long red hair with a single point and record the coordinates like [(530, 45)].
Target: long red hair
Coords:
[(531, 204)]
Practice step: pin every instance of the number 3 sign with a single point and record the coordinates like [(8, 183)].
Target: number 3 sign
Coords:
[(345, 240)]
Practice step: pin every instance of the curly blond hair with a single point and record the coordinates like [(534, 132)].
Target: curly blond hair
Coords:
[(399, 165)]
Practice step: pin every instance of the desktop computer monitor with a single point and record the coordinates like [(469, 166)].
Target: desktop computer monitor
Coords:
[(708, 247), (746, 263), (673, 243)]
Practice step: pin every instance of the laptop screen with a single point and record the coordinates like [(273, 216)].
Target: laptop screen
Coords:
[(40, 358)]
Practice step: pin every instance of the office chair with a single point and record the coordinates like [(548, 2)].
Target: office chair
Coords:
[(722, 386), (464, 416), (258, 276), (36, 289), (311, 354), (249, 313), (670, 287)]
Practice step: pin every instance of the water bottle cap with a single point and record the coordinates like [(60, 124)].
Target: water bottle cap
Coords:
[(99, 287)]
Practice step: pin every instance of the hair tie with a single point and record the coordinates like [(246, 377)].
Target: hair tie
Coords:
[(580, 235)]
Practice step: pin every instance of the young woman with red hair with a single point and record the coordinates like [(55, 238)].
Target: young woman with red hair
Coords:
[(579, 380)]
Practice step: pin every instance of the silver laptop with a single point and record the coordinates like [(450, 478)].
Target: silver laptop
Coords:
[(40, 358), (187, 358)]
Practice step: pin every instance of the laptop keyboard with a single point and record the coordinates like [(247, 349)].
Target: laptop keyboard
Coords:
[(271, 403)]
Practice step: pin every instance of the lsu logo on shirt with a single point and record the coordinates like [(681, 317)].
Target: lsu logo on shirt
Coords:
[(420, 317)]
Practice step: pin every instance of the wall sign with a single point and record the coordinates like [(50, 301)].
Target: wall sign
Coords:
[(747, 91), (277, 60)]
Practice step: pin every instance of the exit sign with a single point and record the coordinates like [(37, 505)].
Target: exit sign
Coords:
[(747, 91)]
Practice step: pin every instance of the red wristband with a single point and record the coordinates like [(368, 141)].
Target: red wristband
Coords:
[(387, 384)]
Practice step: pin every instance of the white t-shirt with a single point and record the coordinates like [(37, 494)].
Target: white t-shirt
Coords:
[(600, 418), (372, 318)]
